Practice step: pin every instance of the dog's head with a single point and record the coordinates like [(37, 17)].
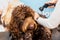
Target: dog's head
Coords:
[(21, 18)]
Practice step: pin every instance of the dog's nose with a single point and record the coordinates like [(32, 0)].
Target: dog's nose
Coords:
[(31, 27)]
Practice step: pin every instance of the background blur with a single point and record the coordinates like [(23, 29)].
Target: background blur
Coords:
[(35, 4)]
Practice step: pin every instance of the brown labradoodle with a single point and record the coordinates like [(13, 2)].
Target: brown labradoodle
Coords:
[(22, 26)]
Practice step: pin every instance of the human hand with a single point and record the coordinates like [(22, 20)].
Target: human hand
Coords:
[(52, 4)]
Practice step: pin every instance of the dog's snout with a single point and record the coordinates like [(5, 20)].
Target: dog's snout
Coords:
[(31, 26)]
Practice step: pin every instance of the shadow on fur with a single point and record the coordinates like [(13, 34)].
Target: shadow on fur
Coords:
[(23, 27)]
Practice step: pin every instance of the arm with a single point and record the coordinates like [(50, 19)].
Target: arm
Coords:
[(53, 21), (49, 23), (15, 3)]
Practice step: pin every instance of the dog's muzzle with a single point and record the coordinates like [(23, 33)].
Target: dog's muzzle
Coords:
[(30, 24)]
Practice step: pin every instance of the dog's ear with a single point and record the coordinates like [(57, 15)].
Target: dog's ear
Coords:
[(27, 22)]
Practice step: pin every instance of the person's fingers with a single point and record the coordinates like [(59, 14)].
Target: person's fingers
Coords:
[(51, 6)]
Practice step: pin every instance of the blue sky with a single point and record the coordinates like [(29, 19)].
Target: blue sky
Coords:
[(35, 4)]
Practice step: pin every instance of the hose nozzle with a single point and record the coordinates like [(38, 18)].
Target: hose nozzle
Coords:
[(45, 6)]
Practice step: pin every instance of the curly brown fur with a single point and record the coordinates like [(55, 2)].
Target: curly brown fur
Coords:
[(19, 15), (42, 33), (19, 31)]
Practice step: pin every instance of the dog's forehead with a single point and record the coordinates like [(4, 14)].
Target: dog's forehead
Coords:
[(23, 10)]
